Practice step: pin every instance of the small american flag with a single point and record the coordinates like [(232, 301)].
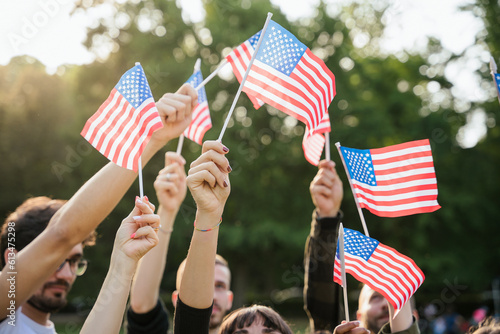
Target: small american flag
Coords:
[(313, 144), (239, 59), (394, 181), (382, 268), (124, 123), (497, 82), (201, 121), (289, 77)]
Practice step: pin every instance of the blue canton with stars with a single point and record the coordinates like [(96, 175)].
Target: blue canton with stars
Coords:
[(358, 244), (133, 86), (254, 40), (360, 165), (497, 79), (280, 49), (194, 80)]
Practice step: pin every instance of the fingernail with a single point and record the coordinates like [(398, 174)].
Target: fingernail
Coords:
[(225, 183), (136, 218), (229, 169), (132, 236), (136, 198), (146, 198), (225, 149)]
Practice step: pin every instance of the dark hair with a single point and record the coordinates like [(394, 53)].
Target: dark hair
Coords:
[(246, 316), (29, 220), (489, 325)]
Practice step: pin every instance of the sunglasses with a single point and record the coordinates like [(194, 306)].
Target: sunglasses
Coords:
[(77, 266)]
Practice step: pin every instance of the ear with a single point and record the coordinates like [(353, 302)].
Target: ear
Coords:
[(230, 297), (6, 255), (175, 295)]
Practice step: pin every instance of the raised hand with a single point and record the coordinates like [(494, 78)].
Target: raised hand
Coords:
[(170, 184), (326, 190)]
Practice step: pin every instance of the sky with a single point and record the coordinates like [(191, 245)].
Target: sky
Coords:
[(46, 30)]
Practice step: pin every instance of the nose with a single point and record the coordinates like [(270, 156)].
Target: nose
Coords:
[(65, 272)]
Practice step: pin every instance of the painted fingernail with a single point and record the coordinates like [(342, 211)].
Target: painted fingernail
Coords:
[(146, 198), (132, 236), (136, 218), (225, 183), (136, 198), (225, 149), (229, 169)]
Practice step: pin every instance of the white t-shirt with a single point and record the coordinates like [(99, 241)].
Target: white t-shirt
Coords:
[(24, 325)]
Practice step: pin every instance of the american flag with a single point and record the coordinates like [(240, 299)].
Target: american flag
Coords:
[(382, 268), (289, 77), (239, 59), (497, 82), (313, 144), (201, 121), (124, 123), (394, 181)]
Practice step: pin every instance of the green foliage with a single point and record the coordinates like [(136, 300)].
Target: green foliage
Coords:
[(381, 100)]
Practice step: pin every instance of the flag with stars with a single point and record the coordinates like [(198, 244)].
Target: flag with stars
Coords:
[(497, 82), (239, 59), (124, 123), (393, 181), (288, 76), (381, 267), (313, 144), (201, 121)]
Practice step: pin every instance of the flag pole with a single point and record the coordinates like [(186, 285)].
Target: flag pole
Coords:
[(210, 77), (141, 187), (493, 71), (353, 192), (269, 15), (342, 270), (327, 146), (197, 67)]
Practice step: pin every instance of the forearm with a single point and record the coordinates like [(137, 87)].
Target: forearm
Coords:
[(107, 314), (197, 287), (403, 320), (146, 284)]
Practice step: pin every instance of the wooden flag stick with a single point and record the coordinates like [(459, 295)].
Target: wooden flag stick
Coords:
[(327, 146), (342, 270), (353, 192), (269, 15), (207, 79), (197, 67), (493, 71)]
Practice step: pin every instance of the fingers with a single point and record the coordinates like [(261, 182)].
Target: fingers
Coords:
[(351, 327), (187, 89), (172, 157), (143, 206), (213, 156), (215, 146), (208, 172), (152, 220)]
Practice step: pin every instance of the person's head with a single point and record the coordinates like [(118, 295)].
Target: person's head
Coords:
[(28, 221), (223, 296), (373, 310), (256, 319), (489, 325)]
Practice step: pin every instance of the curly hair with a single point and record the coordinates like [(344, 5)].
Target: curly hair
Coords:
[(28, 221), (246, 316), (490, 325)]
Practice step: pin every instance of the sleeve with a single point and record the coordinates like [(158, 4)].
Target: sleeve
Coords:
[(413, 329), (189, 320), (153, 322), (321, 294)]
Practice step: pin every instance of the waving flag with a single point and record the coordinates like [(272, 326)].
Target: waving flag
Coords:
[(380, 267), (289, 77), (394, 181), (124, 123), (239, 59), (497, 81), (313, 144), (201, 121)]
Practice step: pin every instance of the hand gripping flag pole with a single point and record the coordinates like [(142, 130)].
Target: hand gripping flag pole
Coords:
[(365, 229), (342, 270), (269, 15)]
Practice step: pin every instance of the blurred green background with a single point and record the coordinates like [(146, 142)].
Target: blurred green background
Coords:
[(382, 99)]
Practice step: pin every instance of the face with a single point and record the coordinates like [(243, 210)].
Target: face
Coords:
[(52, 295), (373, 310), (256, 327), (223, 297)]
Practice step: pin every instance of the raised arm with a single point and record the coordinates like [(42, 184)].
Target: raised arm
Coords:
[(89, 206), (135, 237), (170, 186), (321, 294), (208, 182)]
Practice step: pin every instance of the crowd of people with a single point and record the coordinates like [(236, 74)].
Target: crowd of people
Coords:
[(39, 268)]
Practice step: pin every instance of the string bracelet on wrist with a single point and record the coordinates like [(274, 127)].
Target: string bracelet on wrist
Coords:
[(210, 229)]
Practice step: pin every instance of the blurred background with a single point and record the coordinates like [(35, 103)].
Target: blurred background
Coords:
[(404, 70)]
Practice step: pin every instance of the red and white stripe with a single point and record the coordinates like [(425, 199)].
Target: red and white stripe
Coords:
[(119, 131), (200, 123), (406, 181), (313, 144)]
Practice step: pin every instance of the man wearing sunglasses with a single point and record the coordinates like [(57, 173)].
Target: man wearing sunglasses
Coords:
[(27, 222)]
